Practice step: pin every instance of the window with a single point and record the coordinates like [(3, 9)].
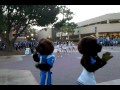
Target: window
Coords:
[(114, 21)]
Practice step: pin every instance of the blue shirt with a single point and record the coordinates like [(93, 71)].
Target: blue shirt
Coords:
[(92, 60), (47, 59)]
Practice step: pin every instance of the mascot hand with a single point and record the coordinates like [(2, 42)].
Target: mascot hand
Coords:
[(106, 56)]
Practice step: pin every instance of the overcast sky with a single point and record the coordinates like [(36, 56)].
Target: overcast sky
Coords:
[(84, 12)]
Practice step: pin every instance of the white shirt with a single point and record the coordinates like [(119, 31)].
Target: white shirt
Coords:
[(87, 78)]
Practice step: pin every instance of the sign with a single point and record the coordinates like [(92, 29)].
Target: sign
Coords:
[(27, 51)]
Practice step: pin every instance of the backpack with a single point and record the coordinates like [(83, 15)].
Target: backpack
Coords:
[(41, 66)]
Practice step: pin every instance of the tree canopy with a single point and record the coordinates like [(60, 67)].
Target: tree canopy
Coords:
[(18, 17), (67, 16), (64, 25), (69, 27)]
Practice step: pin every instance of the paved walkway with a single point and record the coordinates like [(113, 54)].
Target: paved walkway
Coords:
[(25, 77), (112, 82), (15, 77)]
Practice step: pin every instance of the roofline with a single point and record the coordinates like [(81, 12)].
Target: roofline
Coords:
[(99, 18)]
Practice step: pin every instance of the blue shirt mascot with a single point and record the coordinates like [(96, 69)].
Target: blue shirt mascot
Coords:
[(45, 58)]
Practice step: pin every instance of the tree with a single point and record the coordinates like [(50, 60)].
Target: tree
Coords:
[(69, 27), (67, 16), (31, 34), (18, 17)]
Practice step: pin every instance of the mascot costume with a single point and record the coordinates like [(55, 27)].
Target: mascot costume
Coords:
[(89, 48), (45, 58)]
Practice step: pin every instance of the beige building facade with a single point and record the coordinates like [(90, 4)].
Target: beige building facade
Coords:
[(102, 26)]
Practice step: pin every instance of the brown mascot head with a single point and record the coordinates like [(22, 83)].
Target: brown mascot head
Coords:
[(45, 47), (88, 46)]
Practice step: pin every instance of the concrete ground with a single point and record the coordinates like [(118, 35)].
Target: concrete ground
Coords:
[(111, 82), (14, 76), (15, 71)]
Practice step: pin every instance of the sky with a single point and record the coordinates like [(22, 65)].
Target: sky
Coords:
[(85, 12)]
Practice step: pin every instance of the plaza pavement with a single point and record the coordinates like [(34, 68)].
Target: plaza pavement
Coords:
[(13, 76), (25, 77), (16, 77)]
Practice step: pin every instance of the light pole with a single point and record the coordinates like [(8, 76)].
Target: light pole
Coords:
[(32, 34), (67, 36), (79, 34), (27, 36), (0, 39), (96, 32)]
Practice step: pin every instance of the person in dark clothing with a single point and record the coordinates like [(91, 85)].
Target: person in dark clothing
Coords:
[(89, 48)]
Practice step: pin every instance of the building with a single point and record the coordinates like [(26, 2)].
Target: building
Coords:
[(102, 26)]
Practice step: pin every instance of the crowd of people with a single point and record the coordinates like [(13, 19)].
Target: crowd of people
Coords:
[(107, 41), (21, 46), (66, 47), (59, 47)]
